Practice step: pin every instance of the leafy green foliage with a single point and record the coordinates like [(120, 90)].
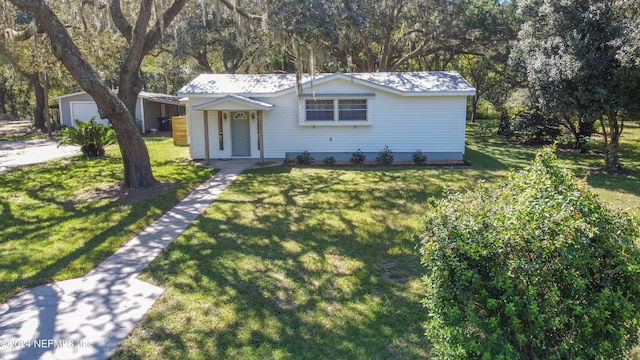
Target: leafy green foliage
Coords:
[(532, 127), (539, 269), (92, 137), (418, 157), (385, 156), (358, 157), (580, 61), (584, 144), (305, 158), (329, 160)]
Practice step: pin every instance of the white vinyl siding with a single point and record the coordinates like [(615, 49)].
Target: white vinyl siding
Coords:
[(433, 124)]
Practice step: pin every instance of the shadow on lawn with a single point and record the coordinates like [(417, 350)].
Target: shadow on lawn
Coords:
[(305, 266), (629, 152), (501, 156), (83, 232)]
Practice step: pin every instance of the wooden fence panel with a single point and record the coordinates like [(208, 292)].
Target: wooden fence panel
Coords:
[(179, 130)]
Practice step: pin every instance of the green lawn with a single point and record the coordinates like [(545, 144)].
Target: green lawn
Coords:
[(55, 225), (309, 263), (288, 263), (620, 191)]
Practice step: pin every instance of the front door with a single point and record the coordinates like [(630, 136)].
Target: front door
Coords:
[(240, 134)]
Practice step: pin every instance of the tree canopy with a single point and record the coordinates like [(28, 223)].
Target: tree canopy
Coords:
[(579, 61), (151, 20)]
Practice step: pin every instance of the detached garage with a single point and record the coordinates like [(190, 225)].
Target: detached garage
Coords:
[(152, 110)]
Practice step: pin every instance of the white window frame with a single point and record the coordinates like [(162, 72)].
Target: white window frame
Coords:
[(336, 98), (332, 113), (337, 110)]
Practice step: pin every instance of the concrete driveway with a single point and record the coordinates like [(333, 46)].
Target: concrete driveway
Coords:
[(17, 153)]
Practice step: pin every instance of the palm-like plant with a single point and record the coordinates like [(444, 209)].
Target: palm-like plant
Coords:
[(92, 137)]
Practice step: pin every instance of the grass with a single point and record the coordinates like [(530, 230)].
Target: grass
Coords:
[(496, 155), (294, 263), (52, 228), (308, 263), (287, 263)]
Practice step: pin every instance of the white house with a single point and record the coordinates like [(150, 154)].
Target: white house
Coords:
[(275, 116), (152, 109)]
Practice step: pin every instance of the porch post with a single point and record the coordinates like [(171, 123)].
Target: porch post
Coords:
[(206, 137), (260, 137)]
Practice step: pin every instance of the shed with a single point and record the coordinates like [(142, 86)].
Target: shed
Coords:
[(275, 116), (152, 110)]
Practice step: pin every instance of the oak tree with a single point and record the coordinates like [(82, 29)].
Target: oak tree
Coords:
[(141, 32)]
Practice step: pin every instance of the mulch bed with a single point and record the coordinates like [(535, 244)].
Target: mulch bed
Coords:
[(115, 192), (429, 163)]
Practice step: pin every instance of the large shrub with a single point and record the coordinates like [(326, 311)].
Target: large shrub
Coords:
[(92, 137), (531, 127), (537, 269)]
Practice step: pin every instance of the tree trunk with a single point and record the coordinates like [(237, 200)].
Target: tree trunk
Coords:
[(585, 128), (137, 167), (611, 156), (203, 63), (3, 96), (571, 126), (39, 114), (135, 156), (474, 107), (47, 112)]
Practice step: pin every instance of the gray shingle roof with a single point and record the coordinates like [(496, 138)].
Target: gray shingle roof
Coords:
[(399, 82)]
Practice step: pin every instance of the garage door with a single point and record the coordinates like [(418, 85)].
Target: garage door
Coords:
[(84, 111)]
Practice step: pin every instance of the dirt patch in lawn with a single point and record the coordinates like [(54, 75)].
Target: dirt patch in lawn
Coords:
[(604, 171), (10, 129), (115, 192)]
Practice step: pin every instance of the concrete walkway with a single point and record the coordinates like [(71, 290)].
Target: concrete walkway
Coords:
[(86, 318)]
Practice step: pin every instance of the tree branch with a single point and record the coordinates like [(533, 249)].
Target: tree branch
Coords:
[(136, 52), (21, 35), (415, 53), (160, 26), (240, 11), (65, 50), (120, 21)]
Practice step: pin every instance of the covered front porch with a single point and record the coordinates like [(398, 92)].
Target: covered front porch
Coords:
[(232, 127)]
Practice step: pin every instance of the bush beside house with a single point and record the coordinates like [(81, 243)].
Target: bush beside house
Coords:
[(538, 269)]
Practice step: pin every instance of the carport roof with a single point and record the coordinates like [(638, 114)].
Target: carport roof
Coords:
[(155, 97)]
